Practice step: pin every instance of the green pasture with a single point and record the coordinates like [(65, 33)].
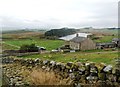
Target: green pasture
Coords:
[(107, 57), (104, 56), (48, 44), (105, 39)]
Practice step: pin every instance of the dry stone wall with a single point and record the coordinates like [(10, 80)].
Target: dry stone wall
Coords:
[(80, 73)]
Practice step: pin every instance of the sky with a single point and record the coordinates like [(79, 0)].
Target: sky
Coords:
[(47, 14)]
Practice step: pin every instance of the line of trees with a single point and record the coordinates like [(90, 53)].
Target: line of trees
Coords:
[(60, 32)]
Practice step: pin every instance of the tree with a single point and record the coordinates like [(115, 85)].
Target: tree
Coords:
[(28, 48)]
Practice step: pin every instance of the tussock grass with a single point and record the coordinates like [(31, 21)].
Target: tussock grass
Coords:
[(40, 77)]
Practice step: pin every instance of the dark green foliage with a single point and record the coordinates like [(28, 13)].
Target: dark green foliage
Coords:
[(28, 48), (60, 32)]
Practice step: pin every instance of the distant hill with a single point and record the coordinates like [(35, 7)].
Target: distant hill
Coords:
[(22, 31), (14, 31), (113, 28), (60, 32)]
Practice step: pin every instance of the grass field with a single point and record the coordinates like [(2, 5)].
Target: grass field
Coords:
[(105, 57), (14, 41), (105, 39), (48, 44), (6, 46), (25, 35)]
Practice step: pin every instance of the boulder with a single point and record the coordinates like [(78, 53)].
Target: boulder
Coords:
[(108, 69), (52, 63), (37, 61), (69, 64), (46, 62), (92, 79)]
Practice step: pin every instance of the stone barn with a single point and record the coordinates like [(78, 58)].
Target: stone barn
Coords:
[(116, 41), (82, 43), (105, 45)]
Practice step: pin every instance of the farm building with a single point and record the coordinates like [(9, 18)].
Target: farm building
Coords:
[(105, 45), (82, 43), (116, 41), (70, 37)]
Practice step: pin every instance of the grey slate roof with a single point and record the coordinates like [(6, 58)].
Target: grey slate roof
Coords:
[(78, 39)]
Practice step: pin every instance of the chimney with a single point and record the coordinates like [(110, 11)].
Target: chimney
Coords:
[(77, 35)]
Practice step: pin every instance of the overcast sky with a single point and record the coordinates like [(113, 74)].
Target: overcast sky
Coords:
[(58, 13)]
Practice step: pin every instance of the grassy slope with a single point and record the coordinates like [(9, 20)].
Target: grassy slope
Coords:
[(49, 44), (80, 56), (105, 39), (8, 47), (108, 33), (52, 44), (12, 41)]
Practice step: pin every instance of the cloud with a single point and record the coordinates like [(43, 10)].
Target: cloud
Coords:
[(58, 13), (12, 22)]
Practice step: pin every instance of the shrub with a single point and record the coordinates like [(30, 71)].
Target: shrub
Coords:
[(29, 48)]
